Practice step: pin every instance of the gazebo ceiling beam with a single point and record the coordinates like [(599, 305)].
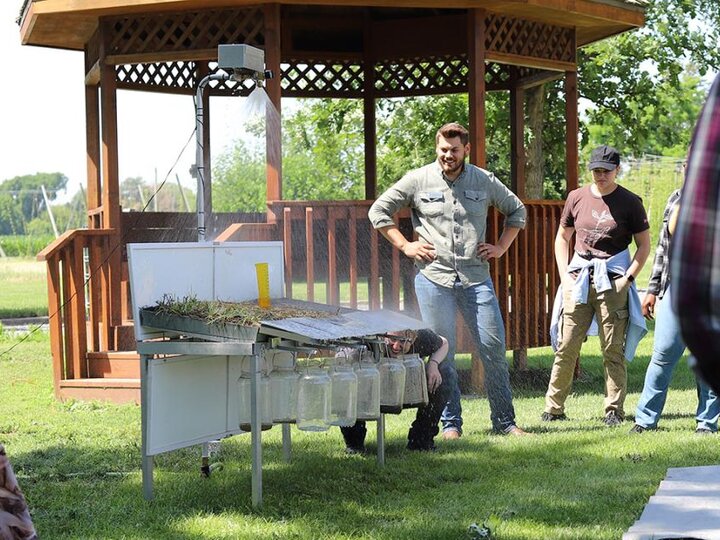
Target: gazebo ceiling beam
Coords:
[(69, 24)]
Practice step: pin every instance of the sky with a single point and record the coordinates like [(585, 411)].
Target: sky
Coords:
[(42, 92)]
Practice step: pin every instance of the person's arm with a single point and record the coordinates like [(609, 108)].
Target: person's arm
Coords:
[(562, 250), (434, 379), (421, 251), (642, 241), (508, 204), (488, 251)]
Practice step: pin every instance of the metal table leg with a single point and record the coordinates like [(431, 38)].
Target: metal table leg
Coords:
[(381, 440), (147, 461), (287, 443), (256, 430), (205, 462)]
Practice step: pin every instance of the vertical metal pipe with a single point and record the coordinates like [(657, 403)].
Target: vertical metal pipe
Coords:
[(147, 461), (381, 440), (255, 429), (287, 443), (199, 154)]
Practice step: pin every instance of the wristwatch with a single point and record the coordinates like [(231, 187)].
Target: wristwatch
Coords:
[(630, 278)]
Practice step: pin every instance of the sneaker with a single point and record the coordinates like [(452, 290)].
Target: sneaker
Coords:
[(637, 428), (355, 450), (612, 419), (451, 434), (550, 417), (704, 431)]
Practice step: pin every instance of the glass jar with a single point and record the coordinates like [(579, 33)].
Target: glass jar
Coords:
[(283, 394), (392, 385), (244, 401), (416, 390), (343, 403), (313, 404), (368, 391)]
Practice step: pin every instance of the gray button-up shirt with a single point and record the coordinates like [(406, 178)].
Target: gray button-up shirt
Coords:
[(452, 216)]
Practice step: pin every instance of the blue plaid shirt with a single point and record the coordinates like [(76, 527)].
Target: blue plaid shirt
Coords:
[(660, 275)]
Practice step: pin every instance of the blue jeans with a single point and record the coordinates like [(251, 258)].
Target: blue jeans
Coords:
[(668, 347), (479, 307)]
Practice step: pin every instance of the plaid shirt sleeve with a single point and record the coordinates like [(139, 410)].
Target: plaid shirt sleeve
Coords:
[(661, 264), (695, 265)]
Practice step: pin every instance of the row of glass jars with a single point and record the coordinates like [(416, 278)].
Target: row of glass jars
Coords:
[(316, 398)]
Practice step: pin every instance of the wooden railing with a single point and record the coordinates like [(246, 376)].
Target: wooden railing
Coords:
[(333, 244), (79, 289), (332, 255)]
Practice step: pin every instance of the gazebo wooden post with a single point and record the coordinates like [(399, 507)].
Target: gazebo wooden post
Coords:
[(369, 121), (517, 174), (273, 131), (476, 85), (571, 130), (476, 102), (92, 141), (110, 190)]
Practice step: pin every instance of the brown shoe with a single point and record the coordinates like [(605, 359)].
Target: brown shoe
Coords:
[(451, 434), (517, 431)]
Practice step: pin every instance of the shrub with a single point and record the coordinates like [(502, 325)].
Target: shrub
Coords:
[(24, 246)]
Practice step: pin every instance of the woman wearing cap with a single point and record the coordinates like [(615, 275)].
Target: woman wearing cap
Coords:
[(598, 283)]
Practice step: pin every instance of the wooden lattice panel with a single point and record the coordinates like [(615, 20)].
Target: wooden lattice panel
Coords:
[(160, 75), (497, 75), (182, 33), (528, 38), (303, 78), (176, 77), (413, 76)]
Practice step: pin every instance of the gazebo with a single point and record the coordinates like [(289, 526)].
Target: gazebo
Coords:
[(342, 49)]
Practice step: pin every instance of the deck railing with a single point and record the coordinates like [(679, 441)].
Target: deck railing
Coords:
[(332, 255)]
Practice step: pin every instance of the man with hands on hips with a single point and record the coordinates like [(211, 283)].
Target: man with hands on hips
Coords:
[(449, 201)]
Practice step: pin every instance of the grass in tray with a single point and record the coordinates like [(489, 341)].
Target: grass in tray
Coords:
[(233, 313)]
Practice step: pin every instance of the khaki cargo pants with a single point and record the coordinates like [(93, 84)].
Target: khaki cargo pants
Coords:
[(611, 308)]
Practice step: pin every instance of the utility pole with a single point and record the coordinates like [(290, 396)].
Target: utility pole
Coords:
[(182, 193), (49, 210)]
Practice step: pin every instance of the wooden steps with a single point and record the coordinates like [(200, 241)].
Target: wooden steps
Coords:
[(113, 365), (114, 390)]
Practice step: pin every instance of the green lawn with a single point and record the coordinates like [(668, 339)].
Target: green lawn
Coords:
[(79, 466), (23, 288)]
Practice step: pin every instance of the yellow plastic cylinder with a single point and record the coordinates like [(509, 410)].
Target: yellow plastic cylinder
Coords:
[(263, 283)]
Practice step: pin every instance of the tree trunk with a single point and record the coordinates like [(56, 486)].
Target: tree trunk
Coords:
[(535, 171)]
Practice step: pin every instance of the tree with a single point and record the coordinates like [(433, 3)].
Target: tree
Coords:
[(11, 218), (26, 191), (644, 86)]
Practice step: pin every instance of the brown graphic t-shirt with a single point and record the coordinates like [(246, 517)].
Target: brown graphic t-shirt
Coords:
[(604, 225)]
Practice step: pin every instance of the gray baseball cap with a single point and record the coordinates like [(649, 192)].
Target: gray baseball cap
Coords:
[(604, 157)]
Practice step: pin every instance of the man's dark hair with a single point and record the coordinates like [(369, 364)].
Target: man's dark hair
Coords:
[(452, 130)]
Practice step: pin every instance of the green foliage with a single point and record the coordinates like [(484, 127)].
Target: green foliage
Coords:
[(239, 180), (645, 86), (136, 194), (11, 218), (27, 191), (24, 246)]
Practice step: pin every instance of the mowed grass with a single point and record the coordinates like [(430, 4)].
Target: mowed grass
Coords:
[(23, 288), (79, 466)]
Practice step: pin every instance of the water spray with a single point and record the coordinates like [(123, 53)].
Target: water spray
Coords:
[(244, 62)]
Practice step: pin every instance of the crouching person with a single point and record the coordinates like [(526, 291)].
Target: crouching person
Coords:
[(441, 379)]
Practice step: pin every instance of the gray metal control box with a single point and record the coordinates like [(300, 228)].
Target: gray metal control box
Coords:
[(241, 56)]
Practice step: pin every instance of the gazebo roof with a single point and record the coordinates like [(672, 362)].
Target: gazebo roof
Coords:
[(68, 24)]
